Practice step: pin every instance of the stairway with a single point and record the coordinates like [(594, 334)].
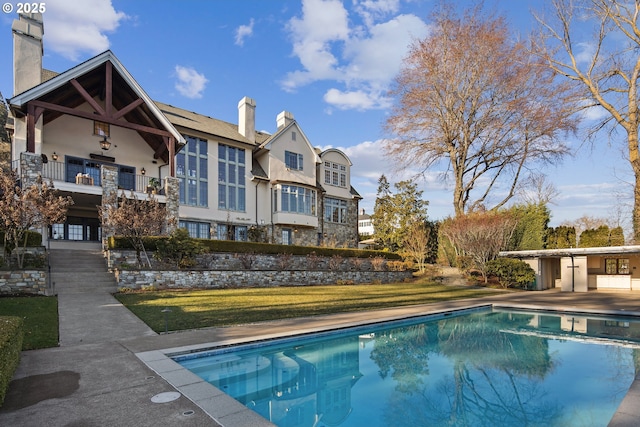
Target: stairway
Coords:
[(80, 271)]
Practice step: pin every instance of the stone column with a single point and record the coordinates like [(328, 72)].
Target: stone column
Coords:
[(109, 199), (172, 192), (30, 168)]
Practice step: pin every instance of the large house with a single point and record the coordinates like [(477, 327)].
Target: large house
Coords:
[(94, 131)]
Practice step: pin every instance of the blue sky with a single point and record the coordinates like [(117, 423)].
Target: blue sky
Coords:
[(328, 62)]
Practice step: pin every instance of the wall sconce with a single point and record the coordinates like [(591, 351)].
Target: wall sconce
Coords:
[(54, 156), (104, 144), (142, 171), (295, 230)]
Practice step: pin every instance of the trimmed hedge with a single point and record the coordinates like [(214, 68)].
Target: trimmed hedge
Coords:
[(151, 243), (33, 239), (11, 334)]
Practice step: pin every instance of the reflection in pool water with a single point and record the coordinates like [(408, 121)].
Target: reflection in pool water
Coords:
[(493, 368)]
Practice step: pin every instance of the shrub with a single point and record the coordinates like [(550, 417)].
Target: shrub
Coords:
[(284, 261), (246, 259), (33, 239), (313, 261), (378, 263), (356, 263), (512, 272), (178, 248), (232, 246), (335, 262), (11, 334), (396, 265)]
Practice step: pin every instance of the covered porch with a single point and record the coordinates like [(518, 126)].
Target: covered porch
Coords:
[(584, 269)]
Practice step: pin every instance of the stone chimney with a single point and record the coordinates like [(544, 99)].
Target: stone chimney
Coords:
[(284, 119), (247, 118), (28, 49)]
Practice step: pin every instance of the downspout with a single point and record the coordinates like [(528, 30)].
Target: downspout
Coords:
[(573, 275), (271, 205)]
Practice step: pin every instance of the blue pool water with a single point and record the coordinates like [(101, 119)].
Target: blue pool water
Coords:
[(480, 368)]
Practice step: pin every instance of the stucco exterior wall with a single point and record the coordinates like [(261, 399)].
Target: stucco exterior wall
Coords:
[(574, 274)]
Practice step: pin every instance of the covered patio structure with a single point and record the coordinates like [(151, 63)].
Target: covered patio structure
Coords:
[(584, 269)]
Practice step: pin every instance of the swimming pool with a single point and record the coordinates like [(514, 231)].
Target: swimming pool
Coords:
[(484, 367)]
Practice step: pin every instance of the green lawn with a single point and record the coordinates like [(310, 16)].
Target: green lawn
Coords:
[(222, 307), (40, 315)]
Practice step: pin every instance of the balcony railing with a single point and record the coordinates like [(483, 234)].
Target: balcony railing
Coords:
[(56, 171)]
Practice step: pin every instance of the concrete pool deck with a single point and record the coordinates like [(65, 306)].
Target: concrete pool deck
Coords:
[(110, 365)]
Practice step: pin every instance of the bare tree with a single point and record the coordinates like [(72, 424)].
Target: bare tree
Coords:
[(24, 209), (134, 220), (470, 95), (416, 244), (536, 189), (480, 236), (604, 65)]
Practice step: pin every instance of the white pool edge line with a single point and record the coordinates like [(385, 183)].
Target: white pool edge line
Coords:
[(228, 412)]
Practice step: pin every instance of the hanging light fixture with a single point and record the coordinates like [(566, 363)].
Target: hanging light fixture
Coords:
[(142, 171), (105, 144)]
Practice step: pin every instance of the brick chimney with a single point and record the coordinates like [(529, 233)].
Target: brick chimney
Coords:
[(247, 118), (284, 119), (28, 49)]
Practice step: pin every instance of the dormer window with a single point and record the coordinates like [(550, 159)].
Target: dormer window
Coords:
[(335, 174), (293, 160)]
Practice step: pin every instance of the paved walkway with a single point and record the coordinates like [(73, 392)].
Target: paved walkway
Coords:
[(95, 378)]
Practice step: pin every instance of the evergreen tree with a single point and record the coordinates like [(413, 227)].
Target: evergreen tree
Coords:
[(601, 236), (531, 229), (383, 217), (393, 213), (561, 237)]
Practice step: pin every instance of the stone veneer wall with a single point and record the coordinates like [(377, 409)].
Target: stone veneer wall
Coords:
[(23, 281), (223, 270), (172, 192), (342, 235), (30, 168), (215, 279)]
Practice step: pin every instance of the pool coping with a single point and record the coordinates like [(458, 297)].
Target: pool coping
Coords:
[(228, 412)]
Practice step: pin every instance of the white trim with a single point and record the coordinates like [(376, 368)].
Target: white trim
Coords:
[(573, 251), (42, 89)]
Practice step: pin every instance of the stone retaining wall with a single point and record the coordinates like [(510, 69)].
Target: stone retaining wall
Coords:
[(24, 281), (214, 279), (126, 259)]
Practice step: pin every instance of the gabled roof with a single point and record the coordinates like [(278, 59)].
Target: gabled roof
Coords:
[(205, 124), (91, 76), (335, 150), (266, 144)]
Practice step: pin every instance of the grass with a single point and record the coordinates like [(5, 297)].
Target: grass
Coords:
[(195, 309), (40, 316)]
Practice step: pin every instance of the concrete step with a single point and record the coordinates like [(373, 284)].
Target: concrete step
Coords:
[(80, 271)]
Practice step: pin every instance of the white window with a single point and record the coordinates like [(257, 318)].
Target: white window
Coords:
[(293, 160), (335, 174), (297, 200), (335, 210)]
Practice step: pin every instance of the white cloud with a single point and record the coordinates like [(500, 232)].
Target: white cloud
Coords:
[(370, 10), (74, 27), (189, 82), (363, 58), (322, 23), (358, 100), (244, 31)]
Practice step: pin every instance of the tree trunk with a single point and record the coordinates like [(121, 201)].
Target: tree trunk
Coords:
[(634, 159)]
